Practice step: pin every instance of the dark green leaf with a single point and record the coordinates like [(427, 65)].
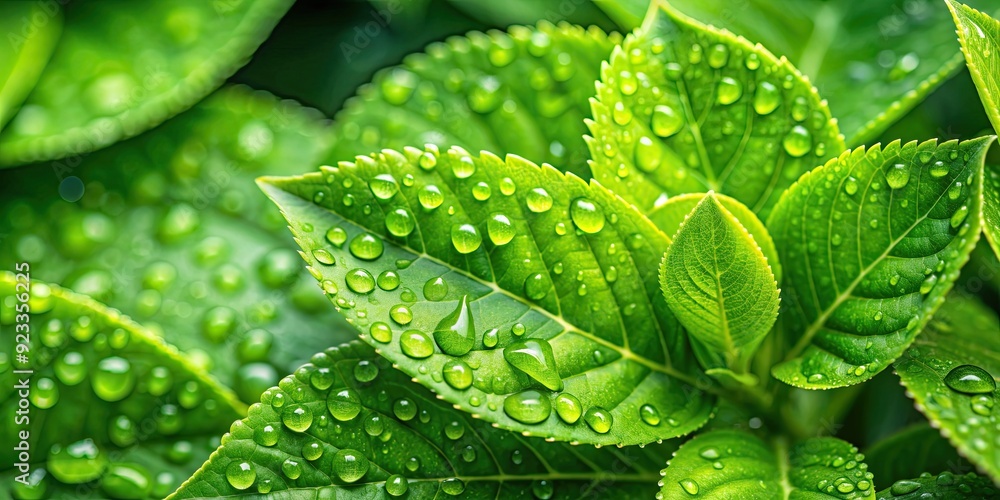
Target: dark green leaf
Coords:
[(123, 67), (404, 439), (945, 485), (683, 107), (532, 284), (100, 378), (32, 30), (911, 451), (523, 92), (735, 464), (717, 281), (871, 243), (951, 373)]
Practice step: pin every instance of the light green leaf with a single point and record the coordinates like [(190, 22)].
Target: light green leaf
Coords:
[(96, 375), (871, 243), (524, 92), (683, 107), (951, 373), (910, 452), (875, 61), (670, 215), (121, 68), (527, 287), (978, 34), (410, 442), (945, 485), (172, 230), (718, 283), (735, 464), (31, 43)]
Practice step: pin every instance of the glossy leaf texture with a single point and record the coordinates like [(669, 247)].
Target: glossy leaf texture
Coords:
[(32, 31), (172, 230), (945, 485), (684, 108), (737, 464), (910, 452), (871, 243), (409, 443), (978, 34), (718, 283), (539, 289), (524, 91), (121, 68), (951, 373), (106, 399), (874, 61), (669, 216)]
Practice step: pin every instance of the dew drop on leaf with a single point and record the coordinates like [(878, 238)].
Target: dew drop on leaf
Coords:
[(405, 410), (798, 142), (360, 281), (568, 408), (528, 407), (959, 216), (365, 371), (312, 450), (898, 176), (344, 405), (537, 286), (388, 280), (718, 56), (666, 122), (542, 489), (499, 229), (598, 419), (366, 247), (401, 314), (649, 414), (939, 169), (430, 197), (399, 222), (435, 289), (904, 487), (297, 418), (396, 485), (464, 167), (647, 154), (241, 475), (76, 463), (457, 374), (349, 465), (729, 91), (587, 215), (766, 98), (455, 334), (381, 332), (538, 200), (71, 368), (384, 186), (465, 238), (534, 357), (689, 486), (416, 344), (970, 379), (113, 379)]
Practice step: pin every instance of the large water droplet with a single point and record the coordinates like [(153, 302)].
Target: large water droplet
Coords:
[(457, 374), (384, 186), (598, 419), (798, 142), (416, 344), (939, 169), (729, 91), (689, 486), (399, 222), (71, 368), (114, 379), (241, 475), (766, 98), (528, 407), (587, 215), (350, 465), (898, 176), (360, 281), (127, 481), (500, 229), (366, 247), (649, 414), (396, 485), (647, 154), (430, 197), (970, 379), (435, 289), (534, 357), (959, 216), (904, 487), (77, 463), (465, 238), (666, 121), (538, 200), (456, 333)]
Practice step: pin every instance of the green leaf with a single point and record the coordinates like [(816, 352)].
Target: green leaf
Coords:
[(32, 43), (911, 451), (945, 485), (871, 243), (121, 68), (524, 92), (717, 281), (97, 375), (735, 464), (409, 442), (683, 107), (172, 230), (875, 61), (540, 287), (978, 34), (669, 216), (951, 373)]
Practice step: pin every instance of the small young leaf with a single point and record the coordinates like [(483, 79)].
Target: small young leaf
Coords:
[(951, 372), (408, 443), (735, 464), (945, 485), (100, 381), (534, 289), (716, 280), (871, 243), (32, 45), (171, 230), (122, 68), (683, 107), (910, 452), (522, 92), (669, 216), (978, 34)]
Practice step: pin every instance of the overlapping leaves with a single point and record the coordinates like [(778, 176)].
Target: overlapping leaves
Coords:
[(357, 443), (32, 44), (871, 244), (520, 294)]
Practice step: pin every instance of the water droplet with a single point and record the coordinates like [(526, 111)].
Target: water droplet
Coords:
[(241, 475), (598, 419), (405, 410), (399, 222), (538, 200), (939, 169), (401, 314), (959, 216), (381, 332), (928, 284), (500, 229), (621, 114), (898, 175), (970, 379), (455, 334), (904, 487), (798, 142), (291, 468), (689, 486), (845, 487), (534, 357), (384, 186), (718, 56), (416, 344), (507, 186), (312, 451), (349, 465), (465, 238), (457, 374), (666, 121), (366, 247), (398, 86), (627, 83), (528, 407), (464, 167), (344, 404), (766, 99), (650, 415), (71, 368), (647, 154), (396, 485), (518, 329), (481, 191), (851, 186), (729, 91), (537, 286), (435, 289), (430, 197), (587, 215), (388, 280), (114, 379), (568, 408)]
